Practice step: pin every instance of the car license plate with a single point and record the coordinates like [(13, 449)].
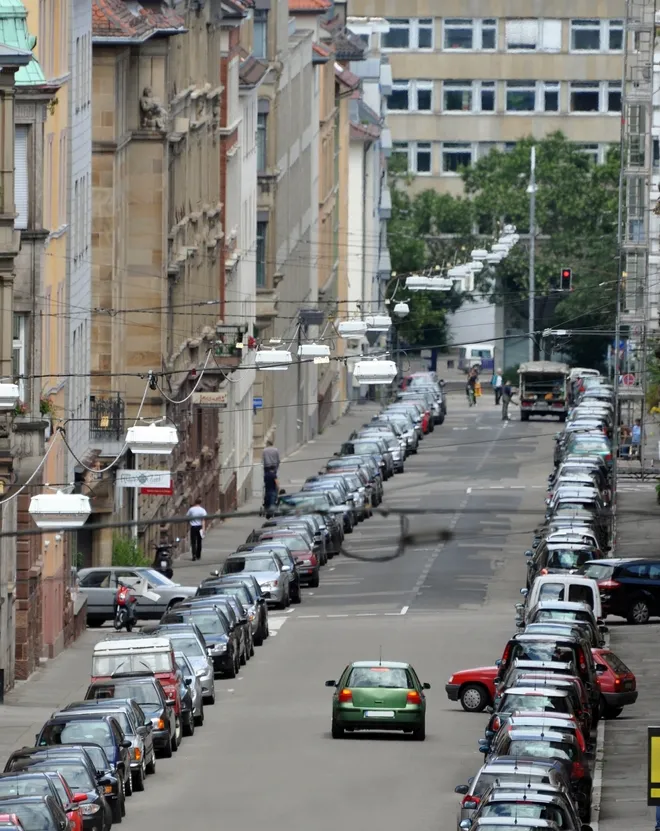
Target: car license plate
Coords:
[(379, 713), (628, 685)]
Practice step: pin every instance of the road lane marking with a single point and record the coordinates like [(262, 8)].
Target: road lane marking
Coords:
[(404, 610), (276, 623), (336, 615), (307, 617)]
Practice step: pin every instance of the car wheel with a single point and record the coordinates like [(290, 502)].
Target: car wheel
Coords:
[(473, 698), (118, 809), (639, 613), (337, 731), (243, 659), (209, 700), (199, 720), (314, 582), (189, 725), (297, 597), (167, 750), (176, 738), (151, 766), (612, 712), (258, 639), (95, 624), (231, 672), (138, 779), (419, 733)]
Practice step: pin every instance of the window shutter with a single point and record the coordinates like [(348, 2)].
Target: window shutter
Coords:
[(21, 188), (522, 34), (551, 35)]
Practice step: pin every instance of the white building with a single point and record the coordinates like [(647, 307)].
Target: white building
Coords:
[(79, 247)]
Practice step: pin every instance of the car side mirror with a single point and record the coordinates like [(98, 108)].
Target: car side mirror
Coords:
[(484, 747), (465, 823), (498, 662), (147, 723), (586, 828), (188, 682), (489, 710), (126, 744), (470, 804), (331, 683), (524, 592), (286, 568), (461, 789), (603, 629), (266, 595), (426, 686), (529, 553)]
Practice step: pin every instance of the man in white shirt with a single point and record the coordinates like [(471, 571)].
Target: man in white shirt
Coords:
[(497, 386), (197, 516)]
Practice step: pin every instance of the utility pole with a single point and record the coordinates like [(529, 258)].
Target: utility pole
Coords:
[(531, 190)]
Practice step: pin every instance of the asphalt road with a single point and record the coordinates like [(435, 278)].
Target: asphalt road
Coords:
[(265, 757)]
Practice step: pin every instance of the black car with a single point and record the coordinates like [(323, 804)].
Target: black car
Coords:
[(146, 690), (36, 813), (629, 587), (102, 730), (237, 617), (33, 783), (223, 643), (238, 585), (81, 775), (323, 503)]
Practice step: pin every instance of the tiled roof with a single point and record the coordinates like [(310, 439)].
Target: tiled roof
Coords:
[(323, 51), (129, 21), (364, 132), (346, 77), (313, 6), (14, 34), (348, 47), (251, 71)]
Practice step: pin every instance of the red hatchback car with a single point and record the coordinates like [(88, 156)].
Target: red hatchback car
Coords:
[(475, 688)]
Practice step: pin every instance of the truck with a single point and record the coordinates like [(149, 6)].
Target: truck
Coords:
[(543, 389)]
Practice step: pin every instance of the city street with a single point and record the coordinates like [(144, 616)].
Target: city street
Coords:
[(265, 756)]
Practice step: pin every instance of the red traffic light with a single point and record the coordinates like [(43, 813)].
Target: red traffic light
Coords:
[(566, 274), (566, 283)]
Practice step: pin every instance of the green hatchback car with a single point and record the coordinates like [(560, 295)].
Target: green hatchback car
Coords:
[(379, 695)]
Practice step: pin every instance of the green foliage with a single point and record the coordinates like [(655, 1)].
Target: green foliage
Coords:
[(126, 552), (576, 225)]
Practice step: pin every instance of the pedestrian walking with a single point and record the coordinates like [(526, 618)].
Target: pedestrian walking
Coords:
[(271, 463), (497, 386), (636, 438), (507, 397), (197, 516)]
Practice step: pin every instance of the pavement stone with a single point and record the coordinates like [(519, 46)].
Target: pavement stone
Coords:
[(623, 802)]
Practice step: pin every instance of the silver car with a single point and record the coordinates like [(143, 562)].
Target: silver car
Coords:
[(192, 681), (274, 578), (189, 645), (99, 585)]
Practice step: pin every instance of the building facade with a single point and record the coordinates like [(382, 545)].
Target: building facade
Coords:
[(19, 448), (476, 77)]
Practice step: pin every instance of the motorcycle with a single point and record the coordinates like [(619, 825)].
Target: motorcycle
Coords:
[(125, 602), (163, 561)]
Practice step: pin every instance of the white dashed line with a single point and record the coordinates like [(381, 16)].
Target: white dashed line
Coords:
[(404, 610)]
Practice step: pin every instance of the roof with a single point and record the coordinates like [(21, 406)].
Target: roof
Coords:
[(386, 664), (321, 54), (251, 71), (129, 644), (127, 21), (19, 43), (310, 6), (348, 47), (553, 692), (346, 77), (544, 367)]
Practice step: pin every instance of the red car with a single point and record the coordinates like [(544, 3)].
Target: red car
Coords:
[(475, 688), (11, 822), (72, 801)]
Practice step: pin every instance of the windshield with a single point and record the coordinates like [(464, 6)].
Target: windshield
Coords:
[(487, 779), (557, 614), (542, 749), (292, 543), (209, 623), (564, 558), (34, 816), (30, 786), (131, 662), (74, 732), (380, 678), (313, 501), (142, 693), (615, 663), (512, 702), (541, 651), (189, 646), (520, 810), (123, 719), (235, 565), (365, 447)]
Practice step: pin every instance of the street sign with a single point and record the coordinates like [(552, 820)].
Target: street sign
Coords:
[(143, 479), (258, 403), (628, 380), (215, 400), (169, 491)]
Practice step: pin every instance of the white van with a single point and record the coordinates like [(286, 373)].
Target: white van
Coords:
[(138, 654), (569, 588)]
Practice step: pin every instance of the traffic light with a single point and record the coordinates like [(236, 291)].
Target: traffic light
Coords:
[(566, 279)]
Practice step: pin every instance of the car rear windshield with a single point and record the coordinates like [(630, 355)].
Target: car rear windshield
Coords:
[(235, 565), (75, 773), (487, 779), (380, 677), (241, 592), (73, 732), (540, 749), (30, 786), (309, 501), (292, 543), (186, 644), (558, 614), (615, 663), (596, 571), (565, 558), (131, 662), (512, 702), (209, 623), (142, 693), (524, 810), (33, 816), (365, 447)]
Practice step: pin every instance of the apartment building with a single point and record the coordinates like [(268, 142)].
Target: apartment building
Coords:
[(482, 75)]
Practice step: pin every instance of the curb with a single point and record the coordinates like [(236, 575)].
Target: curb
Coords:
[(597, 790)]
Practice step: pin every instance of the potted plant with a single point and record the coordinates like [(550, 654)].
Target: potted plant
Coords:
[(46, 408), (20, 409)]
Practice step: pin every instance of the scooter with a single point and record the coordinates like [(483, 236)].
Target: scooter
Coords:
[(163, 561), (125, 601)]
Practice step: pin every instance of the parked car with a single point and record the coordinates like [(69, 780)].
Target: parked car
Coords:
[(194, 690), (616, 682), (188, 638), (223, 642), (629, 587)]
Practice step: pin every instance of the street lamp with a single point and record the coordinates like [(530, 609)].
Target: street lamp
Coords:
[(153, 439), (375, 372), (60, 510), (352, 329), (9, 396), (401, 309), (273, 359)]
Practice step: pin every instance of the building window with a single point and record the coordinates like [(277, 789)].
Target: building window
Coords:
[(262, 146), (19, 346), (469, 34), (260, 34), (262, 230), (596, 35), (424, 96), (422, 157), (408, 33), (487, 96), (457, 96), (414, 96), (585, 97), (613, 97), (399, 100), (591, 151), (21, 183), (550, 93), (455, 156), (533, 35), (520, 96)]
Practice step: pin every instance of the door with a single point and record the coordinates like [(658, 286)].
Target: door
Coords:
[(100, 594)]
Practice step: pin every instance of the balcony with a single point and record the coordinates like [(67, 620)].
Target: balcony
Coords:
[(266, 304), (107, 423), (267, 184)]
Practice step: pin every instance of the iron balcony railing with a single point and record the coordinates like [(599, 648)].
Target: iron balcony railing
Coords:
[(107, 417)]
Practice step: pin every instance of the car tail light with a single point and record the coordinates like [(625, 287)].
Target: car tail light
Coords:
[(579, 738), (505, 657), (608, 458), (414, 697), (160, 724), (345, 697), (497, 723), (578, 771), (136, 753), (608, 584), (618, 681)]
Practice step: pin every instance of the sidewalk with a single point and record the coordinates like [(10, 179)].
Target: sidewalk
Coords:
[(65, 679), (623, 802)]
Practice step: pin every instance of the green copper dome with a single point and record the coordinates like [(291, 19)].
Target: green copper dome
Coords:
[(14, 32)]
